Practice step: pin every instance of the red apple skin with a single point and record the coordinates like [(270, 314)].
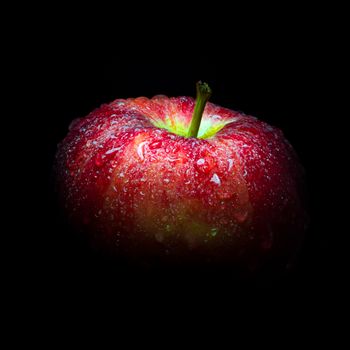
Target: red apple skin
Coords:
[(143, 192)]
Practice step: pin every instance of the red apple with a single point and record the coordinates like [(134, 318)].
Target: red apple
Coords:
[(139, 176)]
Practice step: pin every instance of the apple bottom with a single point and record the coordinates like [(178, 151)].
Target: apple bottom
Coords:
[(162, 229), (255, 249)]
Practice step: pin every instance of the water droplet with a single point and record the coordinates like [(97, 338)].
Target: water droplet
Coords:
[(112, 150), (214, 231), (155, 145), (215, 178), (230, 164), (204, 165), (166, 181), (140, 150)]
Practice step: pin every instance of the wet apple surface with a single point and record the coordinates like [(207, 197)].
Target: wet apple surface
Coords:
[(129, 175)]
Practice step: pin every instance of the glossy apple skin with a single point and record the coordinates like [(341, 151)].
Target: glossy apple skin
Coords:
[(143, 192)]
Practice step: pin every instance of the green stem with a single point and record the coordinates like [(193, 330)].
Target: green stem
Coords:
[(203, 95)]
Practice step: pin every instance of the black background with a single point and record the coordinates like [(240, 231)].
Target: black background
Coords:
[(278, 63)]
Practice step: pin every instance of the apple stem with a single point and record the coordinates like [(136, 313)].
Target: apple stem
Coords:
[(203, 95)]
